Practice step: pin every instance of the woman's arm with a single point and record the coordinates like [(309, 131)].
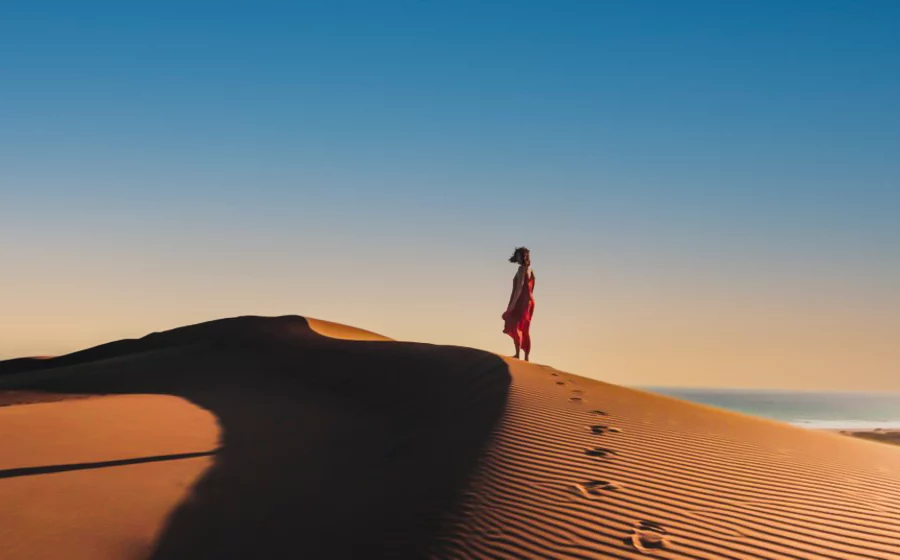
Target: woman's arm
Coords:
[(517, 290)]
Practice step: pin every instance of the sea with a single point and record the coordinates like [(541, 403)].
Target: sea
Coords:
[(816, 410)]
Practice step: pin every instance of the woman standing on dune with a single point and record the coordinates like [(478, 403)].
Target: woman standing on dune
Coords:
[(517, 317)]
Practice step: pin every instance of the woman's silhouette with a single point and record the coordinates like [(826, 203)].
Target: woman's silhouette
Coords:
[(518, 313)]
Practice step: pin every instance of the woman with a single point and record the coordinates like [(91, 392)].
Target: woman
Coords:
[(518, 313)]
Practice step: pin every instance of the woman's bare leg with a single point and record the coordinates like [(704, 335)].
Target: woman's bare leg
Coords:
[(526, 343)]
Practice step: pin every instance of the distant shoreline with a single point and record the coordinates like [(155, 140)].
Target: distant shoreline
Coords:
[(880, 435), (867, 415)]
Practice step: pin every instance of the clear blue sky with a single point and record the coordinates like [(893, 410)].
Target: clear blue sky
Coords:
[(166, 162)]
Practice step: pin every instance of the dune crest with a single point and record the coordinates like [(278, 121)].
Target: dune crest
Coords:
[(343, 332)]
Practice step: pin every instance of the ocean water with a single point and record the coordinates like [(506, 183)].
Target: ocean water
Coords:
[(819, 410)]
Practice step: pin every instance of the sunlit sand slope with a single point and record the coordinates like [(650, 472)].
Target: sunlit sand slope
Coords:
[(97, 478), (583, 469)]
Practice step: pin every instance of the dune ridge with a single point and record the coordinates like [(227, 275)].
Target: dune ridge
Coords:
[(232, 333)]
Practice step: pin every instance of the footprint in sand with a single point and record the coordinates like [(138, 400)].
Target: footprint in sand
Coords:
[(575, 399), (648, 536), (599, 429), (597, 413), (599, 452), (560, 383), (594, 488)]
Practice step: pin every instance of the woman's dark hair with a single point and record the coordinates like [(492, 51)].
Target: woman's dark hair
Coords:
[(520, 251)]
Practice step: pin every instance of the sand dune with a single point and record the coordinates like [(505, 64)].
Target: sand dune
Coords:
[(584, 469), (282, 437), (326, 448)]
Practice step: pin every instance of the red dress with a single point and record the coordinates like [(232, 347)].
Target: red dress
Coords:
[(518, 320)]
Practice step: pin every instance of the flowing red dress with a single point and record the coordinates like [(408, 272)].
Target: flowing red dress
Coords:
[(518, 320)]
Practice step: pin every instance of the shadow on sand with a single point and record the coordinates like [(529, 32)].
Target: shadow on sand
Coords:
[(329, 448), (50, 469)]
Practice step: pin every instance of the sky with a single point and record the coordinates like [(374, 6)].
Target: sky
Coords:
[(710, 190)]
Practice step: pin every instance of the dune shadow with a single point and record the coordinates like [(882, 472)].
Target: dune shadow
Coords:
[(329, 448), (51, 469)]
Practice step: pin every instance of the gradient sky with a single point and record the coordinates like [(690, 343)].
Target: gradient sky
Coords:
[(711, 190)]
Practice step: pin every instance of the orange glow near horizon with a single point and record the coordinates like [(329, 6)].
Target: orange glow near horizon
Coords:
[(660, 331)]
